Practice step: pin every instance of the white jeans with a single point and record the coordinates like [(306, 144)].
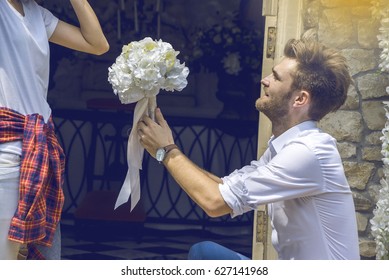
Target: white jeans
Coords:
[(9, 194)]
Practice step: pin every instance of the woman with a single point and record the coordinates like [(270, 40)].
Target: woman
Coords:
[(31, 160)]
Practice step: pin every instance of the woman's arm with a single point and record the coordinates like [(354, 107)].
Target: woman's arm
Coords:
[(88, 38)]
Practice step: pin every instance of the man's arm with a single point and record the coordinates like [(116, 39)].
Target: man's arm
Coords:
[(200, 185), (88, 38)]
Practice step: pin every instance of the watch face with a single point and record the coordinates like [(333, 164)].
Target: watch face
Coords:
[(160, 154)]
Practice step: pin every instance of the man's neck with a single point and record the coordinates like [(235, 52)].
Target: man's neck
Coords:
[(279, 127)]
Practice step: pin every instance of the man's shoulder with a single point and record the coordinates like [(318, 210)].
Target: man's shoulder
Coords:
[(314, 139)]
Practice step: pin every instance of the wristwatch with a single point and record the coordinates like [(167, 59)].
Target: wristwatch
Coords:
[(162, 152)]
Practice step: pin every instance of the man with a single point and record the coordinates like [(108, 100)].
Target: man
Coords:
[(300, 176)]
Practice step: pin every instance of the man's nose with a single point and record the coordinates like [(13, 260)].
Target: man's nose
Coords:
[(265, 81)]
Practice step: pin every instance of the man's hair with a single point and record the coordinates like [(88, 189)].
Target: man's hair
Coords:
[(321, 71)]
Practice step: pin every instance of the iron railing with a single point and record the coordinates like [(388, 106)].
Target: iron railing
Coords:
[(95, 144)]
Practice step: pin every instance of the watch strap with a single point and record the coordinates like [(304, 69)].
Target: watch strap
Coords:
[(170, 147)]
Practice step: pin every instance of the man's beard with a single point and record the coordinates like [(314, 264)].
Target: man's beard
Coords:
[(274, 109)]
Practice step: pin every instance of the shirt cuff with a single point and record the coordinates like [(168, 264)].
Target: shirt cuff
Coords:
[(231, 200)]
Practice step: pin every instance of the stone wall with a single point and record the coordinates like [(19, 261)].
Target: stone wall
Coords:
[(348, 26)]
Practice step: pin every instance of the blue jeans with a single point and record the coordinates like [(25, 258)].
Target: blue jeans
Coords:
[(208, 250)]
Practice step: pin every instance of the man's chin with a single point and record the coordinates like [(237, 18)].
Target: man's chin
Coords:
[(262, 108), (259, 105)]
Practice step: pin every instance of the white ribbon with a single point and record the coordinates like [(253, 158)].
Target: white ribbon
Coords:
[(131, 185)]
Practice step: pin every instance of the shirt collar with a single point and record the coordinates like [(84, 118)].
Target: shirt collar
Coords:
[(277, 143)]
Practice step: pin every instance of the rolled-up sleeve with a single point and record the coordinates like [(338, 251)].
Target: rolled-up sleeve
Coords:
[(235, 193), (294, 172)]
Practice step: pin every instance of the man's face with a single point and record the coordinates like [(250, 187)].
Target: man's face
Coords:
[(276, 100)]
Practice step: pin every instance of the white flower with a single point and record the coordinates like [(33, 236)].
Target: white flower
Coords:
[(380, 11), (231, 63), (380, 221), (144, 68)]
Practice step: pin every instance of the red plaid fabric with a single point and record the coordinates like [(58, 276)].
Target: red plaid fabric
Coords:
[(41, 177)]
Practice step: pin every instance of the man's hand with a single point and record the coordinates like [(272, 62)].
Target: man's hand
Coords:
[(154, 135), (200, 185)]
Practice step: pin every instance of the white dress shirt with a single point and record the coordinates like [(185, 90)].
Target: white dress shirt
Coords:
[(301, 178)]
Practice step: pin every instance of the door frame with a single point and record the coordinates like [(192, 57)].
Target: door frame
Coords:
[(283, 21)]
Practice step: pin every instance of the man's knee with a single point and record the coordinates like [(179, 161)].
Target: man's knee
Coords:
[(199, 250)]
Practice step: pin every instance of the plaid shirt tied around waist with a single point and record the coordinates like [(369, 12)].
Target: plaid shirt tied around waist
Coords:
[(41, 177)]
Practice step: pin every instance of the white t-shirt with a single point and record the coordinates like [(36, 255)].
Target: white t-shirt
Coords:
[(301, 178), (25, 59)]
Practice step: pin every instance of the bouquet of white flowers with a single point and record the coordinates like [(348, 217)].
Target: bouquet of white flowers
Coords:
[(138, 74), (144, 68)]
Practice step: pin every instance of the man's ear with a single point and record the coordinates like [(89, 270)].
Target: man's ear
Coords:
[(302, 98)]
